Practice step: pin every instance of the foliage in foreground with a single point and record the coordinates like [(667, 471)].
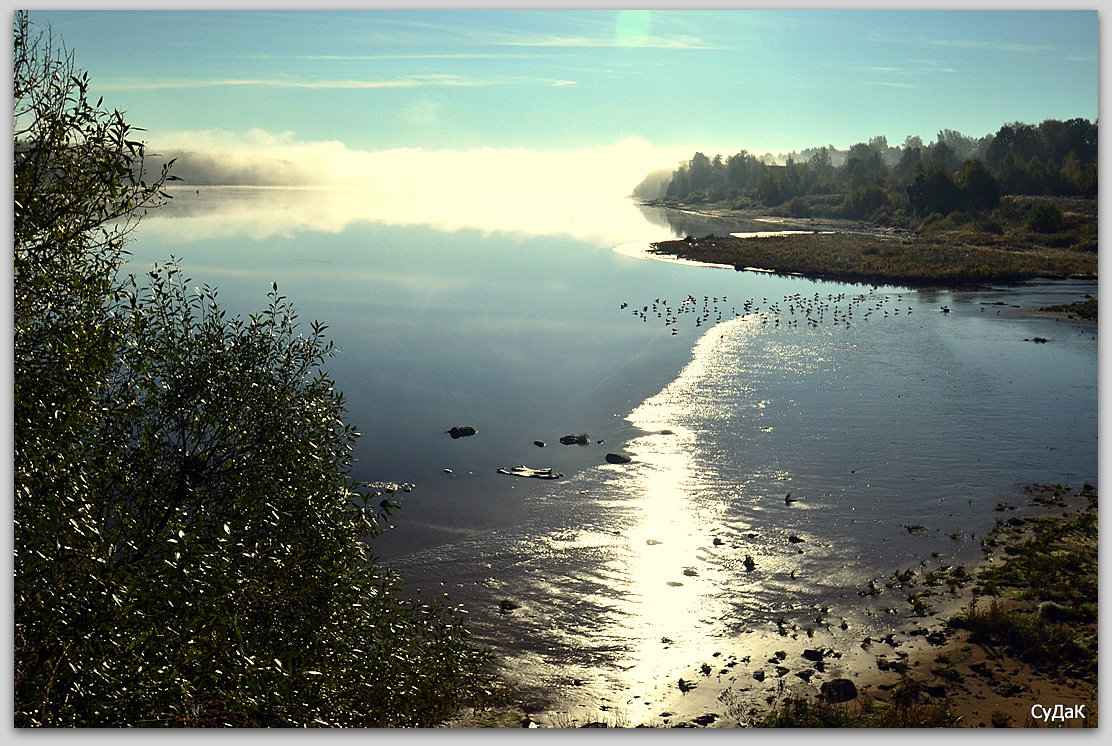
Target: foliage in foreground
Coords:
[(189, 548), (800, 712)]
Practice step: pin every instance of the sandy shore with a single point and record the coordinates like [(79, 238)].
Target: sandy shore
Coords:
[(741, 680)]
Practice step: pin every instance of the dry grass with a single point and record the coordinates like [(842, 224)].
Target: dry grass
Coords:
[(915, 262)]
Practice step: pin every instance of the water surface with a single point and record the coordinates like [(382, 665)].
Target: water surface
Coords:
[(896, 429)]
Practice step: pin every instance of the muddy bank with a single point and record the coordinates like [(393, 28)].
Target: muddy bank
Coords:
[(924, 658), (909, 261)]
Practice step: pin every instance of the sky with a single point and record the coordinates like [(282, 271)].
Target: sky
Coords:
[(650, 84)]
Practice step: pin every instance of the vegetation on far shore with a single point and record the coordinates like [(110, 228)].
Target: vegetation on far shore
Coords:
[(1009, 206), (955, 251)]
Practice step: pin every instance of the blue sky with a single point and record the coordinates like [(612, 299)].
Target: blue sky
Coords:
[(718, 81)]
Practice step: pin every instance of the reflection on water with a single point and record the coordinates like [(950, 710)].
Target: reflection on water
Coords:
[(872, 409), (915, 419), (283, 212)]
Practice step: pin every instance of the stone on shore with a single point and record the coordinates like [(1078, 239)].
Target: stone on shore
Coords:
[(838, 690), (618, 458)]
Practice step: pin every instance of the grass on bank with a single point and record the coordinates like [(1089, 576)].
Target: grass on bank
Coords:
[(1041, 611), (953, 250), (915, 262)]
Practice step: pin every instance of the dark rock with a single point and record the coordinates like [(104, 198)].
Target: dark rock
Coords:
[(980, 667), (462, 431), (571, 440), (759, 675), (937, 638), (505, 606), (838, 690), (795, 539), (749, 563), (538, 443), (595, 725), (718, 542), (805, 674), (813, 655), (705, 720), (617, 458)]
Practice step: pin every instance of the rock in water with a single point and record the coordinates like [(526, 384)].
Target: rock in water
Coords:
[(461, 431), (617, 458)]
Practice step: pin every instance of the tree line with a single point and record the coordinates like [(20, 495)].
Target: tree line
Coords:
[(189, 546), (893, 185)]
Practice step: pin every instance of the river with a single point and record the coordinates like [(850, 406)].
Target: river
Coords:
[(830, 433)]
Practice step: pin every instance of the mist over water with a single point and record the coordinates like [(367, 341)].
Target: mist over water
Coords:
[(871, 408)]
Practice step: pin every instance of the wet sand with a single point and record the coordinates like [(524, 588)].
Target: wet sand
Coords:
[(740, 680)]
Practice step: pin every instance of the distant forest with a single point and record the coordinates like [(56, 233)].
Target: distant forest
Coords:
[(894, 185)]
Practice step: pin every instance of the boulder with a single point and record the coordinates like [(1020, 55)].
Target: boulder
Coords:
[(617, 458), (462, 431), (839, 690), (571, 440)]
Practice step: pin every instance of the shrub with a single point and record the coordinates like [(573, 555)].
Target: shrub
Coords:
[(189, 546), (1046, 217)]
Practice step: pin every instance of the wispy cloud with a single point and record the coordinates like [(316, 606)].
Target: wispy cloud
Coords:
[(890, 84), (416, 81), (989, 45), (386, 57), (592, 42)]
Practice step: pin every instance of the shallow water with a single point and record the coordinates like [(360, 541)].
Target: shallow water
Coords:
[(896, 428)]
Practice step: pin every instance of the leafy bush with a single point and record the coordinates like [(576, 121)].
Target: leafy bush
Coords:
[(1046, 217), (798, 208), (189, 546)]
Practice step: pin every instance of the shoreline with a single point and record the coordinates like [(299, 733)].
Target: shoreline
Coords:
[(859, 253), (750, 676)]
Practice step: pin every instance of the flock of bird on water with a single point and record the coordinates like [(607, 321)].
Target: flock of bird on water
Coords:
[(792, 310)]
